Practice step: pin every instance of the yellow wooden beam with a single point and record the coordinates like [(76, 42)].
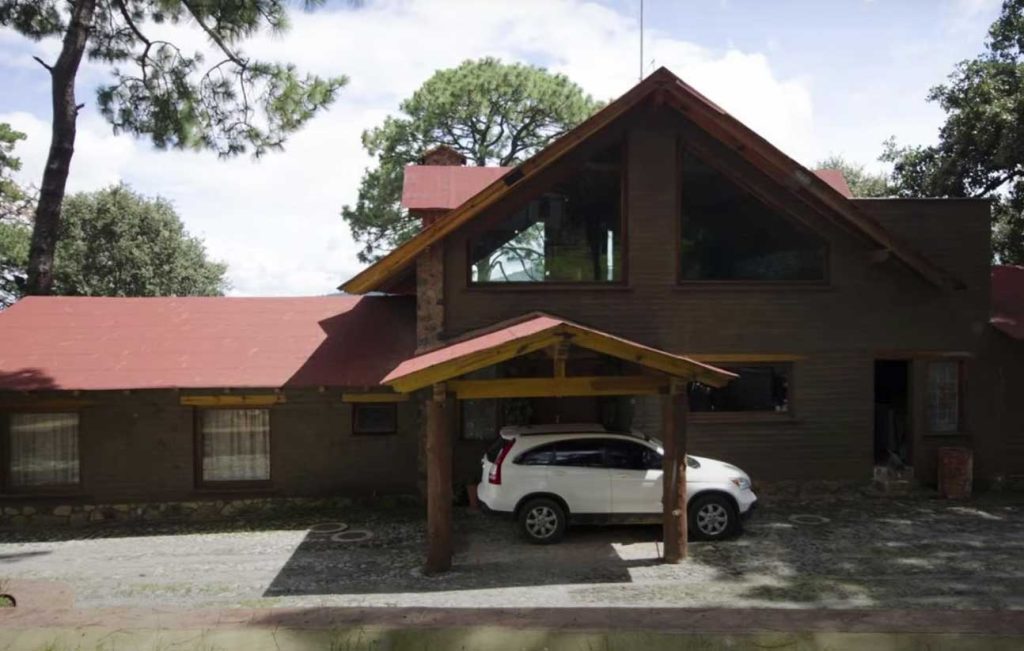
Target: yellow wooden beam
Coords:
[(474, 361), (558, 387), (374, 397), (560, 354), (649, 357), (233, 400)]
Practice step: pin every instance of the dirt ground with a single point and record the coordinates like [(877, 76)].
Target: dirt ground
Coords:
[(854, 552)]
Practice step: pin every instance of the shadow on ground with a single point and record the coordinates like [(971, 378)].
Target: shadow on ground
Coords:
[(858, 552), (488, 554)]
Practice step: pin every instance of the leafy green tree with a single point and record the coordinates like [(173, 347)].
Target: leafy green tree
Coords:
[(115, 242), (230, 104), (491, 112), (980, 152), (862, 182), (14, 216)]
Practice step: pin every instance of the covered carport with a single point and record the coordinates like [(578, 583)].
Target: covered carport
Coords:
[(442, 374)]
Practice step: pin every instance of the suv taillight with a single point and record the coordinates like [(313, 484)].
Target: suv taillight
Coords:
[(495, 475)]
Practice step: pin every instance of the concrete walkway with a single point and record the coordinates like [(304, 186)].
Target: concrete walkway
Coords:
[(479, 629)]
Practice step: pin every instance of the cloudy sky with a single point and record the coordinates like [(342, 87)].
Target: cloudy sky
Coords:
[(814, 77)]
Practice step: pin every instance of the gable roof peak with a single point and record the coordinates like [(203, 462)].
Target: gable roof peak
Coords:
[(668, 89)]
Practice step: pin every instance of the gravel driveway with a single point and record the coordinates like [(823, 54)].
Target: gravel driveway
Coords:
[(843, 553)]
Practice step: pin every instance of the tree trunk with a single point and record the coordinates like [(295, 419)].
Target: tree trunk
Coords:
[(62, 147)]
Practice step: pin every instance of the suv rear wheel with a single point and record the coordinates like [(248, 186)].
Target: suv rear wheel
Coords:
[(712, 517), (542, 521)]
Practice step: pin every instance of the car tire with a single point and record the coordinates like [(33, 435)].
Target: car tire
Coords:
[(542, 521), (712, 517)]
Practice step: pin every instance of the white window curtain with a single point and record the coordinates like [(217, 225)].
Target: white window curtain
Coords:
[(44, 450), (236, 445)]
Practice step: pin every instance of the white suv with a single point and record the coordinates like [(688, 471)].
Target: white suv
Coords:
[(548, 475)]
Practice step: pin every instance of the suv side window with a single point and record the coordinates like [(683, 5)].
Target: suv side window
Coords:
[(627, 455), (542, 455), (580, 453)]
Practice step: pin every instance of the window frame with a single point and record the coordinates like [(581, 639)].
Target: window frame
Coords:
[(961, 397), (752, 416), (357, 406), (10, 490), (825, 282), (203, 484), (621, 283)]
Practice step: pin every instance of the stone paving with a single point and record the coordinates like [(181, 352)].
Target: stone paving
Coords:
[(833, 552)]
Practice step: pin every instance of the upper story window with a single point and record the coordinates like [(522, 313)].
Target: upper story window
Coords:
[(730, 235), (572, 233)]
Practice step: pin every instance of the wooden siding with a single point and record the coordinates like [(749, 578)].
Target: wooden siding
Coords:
[(867, 308), (139, 446)]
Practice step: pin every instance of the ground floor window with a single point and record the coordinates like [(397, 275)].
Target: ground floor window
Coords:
[(372, 418), (758, 387), (235, 445), (43, 450), (945, 403)]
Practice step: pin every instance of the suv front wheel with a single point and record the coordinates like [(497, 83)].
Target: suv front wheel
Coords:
[(542, 521), (712, 517)]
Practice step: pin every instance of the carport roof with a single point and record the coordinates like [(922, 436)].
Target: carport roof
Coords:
[(532, 332)]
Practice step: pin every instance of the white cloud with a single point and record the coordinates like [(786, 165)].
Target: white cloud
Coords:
[(276, 221)]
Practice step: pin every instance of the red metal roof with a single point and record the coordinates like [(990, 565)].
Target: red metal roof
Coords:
[(153, 343), (528, 325), (835, 179), (444, 187), (1008, 299)]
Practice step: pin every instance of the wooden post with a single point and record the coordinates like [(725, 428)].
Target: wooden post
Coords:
[(673, 433), (439, 484)]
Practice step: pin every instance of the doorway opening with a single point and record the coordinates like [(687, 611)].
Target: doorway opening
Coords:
[(893, 440)]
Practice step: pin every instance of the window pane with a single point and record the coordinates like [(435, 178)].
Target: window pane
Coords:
[(236, 445), (479, 419), (44, 450), (585, 453), (944, 396), (572, 233), (760, 387), (625, 455), (375, 419), (728, 234), (543, 455)]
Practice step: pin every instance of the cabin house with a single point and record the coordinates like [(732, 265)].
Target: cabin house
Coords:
[(661, 267)]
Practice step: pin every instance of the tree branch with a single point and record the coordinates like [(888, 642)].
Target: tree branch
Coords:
[(214, 36), (46, 65)]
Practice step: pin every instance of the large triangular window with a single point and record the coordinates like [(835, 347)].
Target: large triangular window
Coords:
[(728, 234), (572, 233)]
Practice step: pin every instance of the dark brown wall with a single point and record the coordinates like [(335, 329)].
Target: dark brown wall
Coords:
[(868, 310), (139, 446)]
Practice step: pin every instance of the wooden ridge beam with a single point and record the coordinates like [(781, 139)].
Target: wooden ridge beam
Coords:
[(558, 387)]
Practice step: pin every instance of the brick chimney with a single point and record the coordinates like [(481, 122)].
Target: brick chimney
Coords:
[(443, 156)]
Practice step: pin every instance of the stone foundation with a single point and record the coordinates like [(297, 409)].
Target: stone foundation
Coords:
[(205, 510)]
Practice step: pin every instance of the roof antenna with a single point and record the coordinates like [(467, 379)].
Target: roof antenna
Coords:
[(641, 40)]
